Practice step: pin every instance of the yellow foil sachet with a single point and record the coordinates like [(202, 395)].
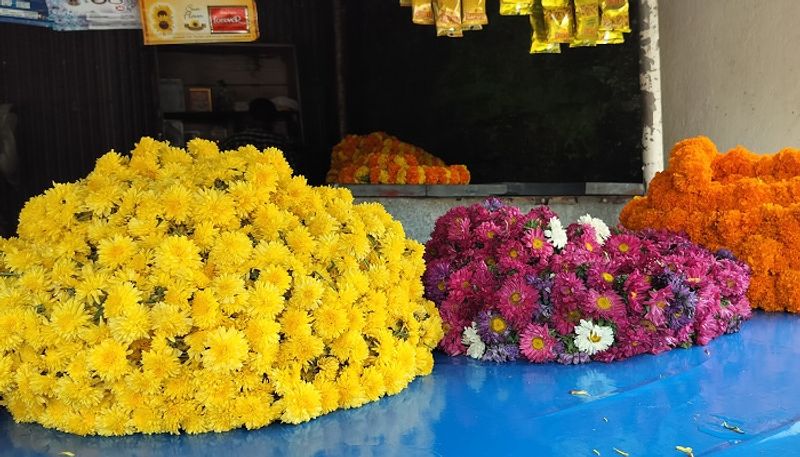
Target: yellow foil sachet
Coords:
[(614, 15), (448, 17), (473, 14), (610, 37), (587, 23), (516, 7), (539, 44), (559, 19), (422, 12)]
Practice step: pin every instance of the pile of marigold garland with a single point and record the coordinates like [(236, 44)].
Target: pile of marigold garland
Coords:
[(741, 201), (511, 285), (379, 158), (195, 290)]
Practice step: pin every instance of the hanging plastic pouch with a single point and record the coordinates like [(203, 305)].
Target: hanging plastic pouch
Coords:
[(422, 12), (539, 44), (516, 7), (615, 15), (587, 23), (559, 20), (473, 14), (448, 17)]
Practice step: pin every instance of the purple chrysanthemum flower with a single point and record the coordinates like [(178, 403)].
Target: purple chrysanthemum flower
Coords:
[(576, 358), (435, 280), (493, 203), (493, 328), (545, 288), (681, 311), (500, 353)]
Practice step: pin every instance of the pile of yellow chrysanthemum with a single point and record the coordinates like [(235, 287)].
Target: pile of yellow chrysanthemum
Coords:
[(197, 290)]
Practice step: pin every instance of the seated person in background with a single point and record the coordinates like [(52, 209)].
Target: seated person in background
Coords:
[(261, 132)]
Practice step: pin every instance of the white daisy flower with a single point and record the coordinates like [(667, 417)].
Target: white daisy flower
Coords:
[(475, 346), (476, 350), (601, 231), (591, 338), (555, 233)]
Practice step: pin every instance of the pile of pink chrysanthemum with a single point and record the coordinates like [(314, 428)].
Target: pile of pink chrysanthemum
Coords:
[(511, 285)]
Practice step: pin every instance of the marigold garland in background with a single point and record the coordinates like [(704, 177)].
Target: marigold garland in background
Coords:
[(379, 158), (741, 201), (511, 285), (204, 291)]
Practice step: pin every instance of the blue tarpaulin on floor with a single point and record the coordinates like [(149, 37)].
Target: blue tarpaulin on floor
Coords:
[(645, 406)]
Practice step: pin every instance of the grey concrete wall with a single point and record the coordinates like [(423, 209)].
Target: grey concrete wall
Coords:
[(730, 71), (419, 214)]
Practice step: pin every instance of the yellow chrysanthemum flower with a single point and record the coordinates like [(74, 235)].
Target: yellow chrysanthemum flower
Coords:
[(301, 402), (109, 360), (231, 249), (226, 350), (177, 201), (67, 319), (197, 290), (115, 251), (161, 363)]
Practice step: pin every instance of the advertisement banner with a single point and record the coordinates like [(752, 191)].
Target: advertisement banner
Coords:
[(94, 14), (28, 12), (190, 21)]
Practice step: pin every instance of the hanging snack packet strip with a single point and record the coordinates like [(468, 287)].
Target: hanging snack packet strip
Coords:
[(448, 17), (587, 23), (405, 2), (610, 37), (539, 44), (558, 17), (516, 7), (422, 12), (473, 14), (614, 15)]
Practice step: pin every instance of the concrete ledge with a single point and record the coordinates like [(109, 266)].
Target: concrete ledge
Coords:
[(498, 189)]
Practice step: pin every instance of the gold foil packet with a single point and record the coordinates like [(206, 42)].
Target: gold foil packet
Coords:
[(587, 23), (448, 17), (422, 12), (405, 2), (614, 15), (516, 7), (559, 20), (539, 44), (610, 37), (473, 14)]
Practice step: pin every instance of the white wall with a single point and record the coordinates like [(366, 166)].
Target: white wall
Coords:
[(731, 71)]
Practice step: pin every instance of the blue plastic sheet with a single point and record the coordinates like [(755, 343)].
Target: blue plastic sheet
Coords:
[(644, 406)]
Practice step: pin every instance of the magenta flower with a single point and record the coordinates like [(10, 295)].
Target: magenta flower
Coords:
[(604, 304), (635, 288), (537, 245), (460, 285), (601, 275), (517, 301), (512, 256), (488, 233), (623, 245), (566, 316), (492, 265), (536, 344), (568, 289)]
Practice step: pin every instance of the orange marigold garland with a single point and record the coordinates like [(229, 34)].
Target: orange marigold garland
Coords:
[(379, 158), (741, 201)]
